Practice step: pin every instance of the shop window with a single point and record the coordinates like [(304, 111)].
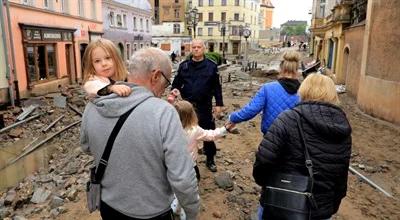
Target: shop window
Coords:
[(41, 62)]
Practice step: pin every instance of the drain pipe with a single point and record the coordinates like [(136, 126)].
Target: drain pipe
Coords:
[(14, 74), (4, 37)]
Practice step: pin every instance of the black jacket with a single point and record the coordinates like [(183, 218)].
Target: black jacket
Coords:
[(198, 82), (328, 137)]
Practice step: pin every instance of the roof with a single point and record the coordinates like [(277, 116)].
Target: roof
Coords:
[(267, 4), (145, 5)]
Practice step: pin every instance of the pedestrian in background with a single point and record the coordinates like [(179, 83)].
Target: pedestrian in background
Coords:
[(149, 162), (197, 80), (327, 136)]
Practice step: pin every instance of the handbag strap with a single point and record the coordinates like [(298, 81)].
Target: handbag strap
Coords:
[(101, 168), (308, 161)]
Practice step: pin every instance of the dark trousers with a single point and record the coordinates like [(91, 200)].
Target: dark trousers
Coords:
[(206, 121), (108, 213), (196, 169)]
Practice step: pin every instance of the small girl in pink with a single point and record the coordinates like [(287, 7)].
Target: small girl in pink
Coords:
[(195, 135)]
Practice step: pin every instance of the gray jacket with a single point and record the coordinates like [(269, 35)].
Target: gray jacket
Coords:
[(149, 161)]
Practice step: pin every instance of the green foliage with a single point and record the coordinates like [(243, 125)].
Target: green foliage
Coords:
[(214, 56), (294, 30)]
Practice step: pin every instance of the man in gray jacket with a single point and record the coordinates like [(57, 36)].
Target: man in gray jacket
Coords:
[(149, 160)]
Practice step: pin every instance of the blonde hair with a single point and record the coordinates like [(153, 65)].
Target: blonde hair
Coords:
[(109, 47), (317, 87), (186, 114), (289, 64)]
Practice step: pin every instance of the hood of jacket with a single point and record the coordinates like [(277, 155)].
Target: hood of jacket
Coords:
[(326, 119), (112, 105)]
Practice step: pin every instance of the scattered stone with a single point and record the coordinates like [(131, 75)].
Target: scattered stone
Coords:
[(217, 214), (72, 194), (56, 202), (361, 166), (62, 209), (10, 197), (54, 213), (18, 217), (228, 161), (224, 181), (16, 132), (40, 196), (4, 212)]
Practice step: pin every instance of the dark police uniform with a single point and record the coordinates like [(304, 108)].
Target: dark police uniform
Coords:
[(198, 83)]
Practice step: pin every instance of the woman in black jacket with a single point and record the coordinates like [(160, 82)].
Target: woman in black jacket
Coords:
[(327, 133)]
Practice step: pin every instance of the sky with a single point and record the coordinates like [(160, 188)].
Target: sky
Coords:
[(291, 10)]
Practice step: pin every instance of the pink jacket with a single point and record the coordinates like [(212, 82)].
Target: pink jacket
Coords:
[(197, 134)]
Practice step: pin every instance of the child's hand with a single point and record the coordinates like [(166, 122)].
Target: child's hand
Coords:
[(230, 126), (173, 95), (121, 90)]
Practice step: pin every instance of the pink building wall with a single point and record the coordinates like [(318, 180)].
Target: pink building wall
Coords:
[(53, 19)]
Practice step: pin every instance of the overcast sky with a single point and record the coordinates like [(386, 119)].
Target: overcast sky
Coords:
[(291, 10)]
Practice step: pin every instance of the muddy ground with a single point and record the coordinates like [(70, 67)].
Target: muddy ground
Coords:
[(376, 146)]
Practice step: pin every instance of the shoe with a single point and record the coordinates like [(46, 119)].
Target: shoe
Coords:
[(211, 166), (182, 215)]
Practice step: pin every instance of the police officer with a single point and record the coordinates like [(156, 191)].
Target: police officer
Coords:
[(198, 81)]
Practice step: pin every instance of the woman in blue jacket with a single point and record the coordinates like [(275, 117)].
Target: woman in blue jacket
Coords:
[(273, 97)]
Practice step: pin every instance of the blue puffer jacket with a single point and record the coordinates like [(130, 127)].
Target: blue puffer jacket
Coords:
[(272, 99)]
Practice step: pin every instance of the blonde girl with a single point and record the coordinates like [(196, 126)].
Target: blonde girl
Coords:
[(102, 67)]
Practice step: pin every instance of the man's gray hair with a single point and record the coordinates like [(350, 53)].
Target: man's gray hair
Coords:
[(145, 60)]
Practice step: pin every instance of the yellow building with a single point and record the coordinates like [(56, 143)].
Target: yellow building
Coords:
[(235, 15), (327, 25)]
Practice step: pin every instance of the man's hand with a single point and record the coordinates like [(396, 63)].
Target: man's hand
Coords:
[(121, 90), (229, 126)]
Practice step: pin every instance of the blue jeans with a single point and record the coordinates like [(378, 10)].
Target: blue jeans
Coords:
[(261, 209)]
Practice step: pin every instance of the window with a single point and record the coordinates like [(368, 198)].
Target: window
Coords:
[(27, 2), (46, 4), (200, 3), (93, 6), (211, 2), (64, 6), (147, 25), (200, 16), (80, 8), (237, 2), (176, 1), (124, 20), (200, 31), (134, 47), (177, 28), (176, 12), (111, 19), (322, 8), (223, 16), (223, 2), (141, 24), (210, 16), (236, 16), (221, 47), (210, 31), (128, 51), (141, 46), (134, 24), (119, 20), (41, 60)]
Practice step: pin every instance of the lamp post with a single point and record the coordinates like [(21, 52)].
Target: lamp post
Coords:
[(192, 18), (222, 26)]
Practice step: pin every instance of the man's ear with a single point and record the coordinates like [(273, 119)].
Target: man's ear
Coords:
[(154, 77)]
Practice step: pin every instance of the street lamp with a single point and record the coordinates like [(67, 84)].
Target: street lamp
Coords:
[(222, 26), (192, 18)]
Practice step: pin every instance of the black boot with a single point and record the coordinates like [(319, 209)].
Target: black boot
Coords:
[(211, 165)]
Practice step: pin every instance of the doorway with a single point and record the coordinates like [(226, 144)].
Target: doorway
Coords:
[(210, 47)]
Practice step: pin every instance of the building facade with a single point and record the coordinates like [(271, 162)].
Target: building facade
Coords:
[(49, 38), (234, 15), (4, 71), (170, 32), (362, 51), (267, 12), (128, 24)]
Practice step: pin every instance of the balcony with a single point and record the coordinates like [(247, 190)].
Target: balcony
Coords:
[(341, 12)]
